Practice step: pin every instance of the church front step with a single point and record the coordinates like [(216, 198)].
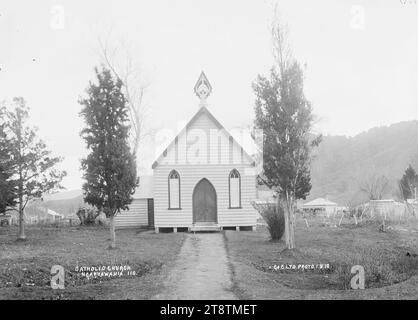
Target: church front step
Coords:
[(205, 228)]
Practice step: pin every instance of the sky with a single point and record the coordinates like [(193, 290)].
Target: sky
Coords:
[(361, 61)]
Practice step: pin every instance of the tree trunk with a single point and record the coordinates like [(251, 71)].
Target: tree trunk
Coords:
[(112, 232), (292, 214), (21, 235), (286, 226), (289, 221), (342, 216)]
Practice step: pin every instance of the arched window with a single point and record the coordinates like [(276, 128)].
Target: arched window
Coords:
[(234, 189), (174, 190)]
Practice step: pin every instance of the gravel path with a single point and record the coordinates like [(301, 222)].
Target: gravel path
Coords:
[(201, 270)]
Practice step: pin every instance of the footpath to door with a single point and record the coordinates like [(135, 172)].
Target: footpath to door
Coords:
[(201, 270)]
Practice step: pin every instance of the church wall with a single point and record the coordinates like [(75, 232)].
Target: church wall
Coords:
[(136, 216), (218, 175)]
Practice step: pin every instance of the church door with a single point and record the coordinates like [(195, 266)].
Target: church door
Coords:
[(204, 203)]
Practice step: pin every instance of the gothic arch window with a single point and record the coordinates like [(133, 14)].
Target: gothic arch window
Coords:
[(174, 190), (234, 189)]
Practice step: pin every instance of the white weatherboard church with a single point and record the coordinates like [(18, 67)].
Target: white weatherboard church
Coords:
[(204, 180)]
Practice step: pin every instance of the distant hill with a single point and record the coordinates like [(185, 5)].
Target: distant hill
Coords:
[(342, 163), (340, 166), (65, 206), (62, 205), (63, 195)]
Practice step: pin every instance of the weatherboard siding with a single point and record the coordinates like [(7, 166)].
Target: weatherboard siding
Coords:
[(136, 216), (218, 175)]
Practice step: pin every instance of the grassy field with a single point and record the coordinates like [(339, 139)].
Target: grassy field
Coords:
[(25, 266), (389, 259)]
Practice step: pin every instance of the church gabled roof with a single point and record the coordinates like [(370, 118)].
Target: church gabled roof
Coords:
[(202, 110), (203, 89)]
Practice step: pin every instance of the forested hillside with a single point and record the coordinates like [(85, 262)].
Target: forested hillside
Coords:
[(63, 205), (342, 164)]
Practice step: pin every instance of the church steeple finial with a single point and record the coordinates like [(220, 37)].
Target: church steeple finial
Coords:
[(202, 89)]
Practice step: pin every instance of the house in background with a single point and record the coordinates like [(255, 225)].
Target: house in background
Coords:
[(204, 180), (320, 206), (40, 214), (141, 210), (390, 208)]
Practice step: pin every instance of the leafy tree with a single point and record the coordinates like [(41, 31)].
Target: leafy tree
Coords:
[(285, 116), (33, 168), (110, 167), (7, 197), (7, 186), (409, 183)]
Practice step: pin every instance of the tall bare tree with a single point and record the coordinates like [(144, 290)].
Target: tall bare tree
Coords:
[(282, 52), (119, 60), (375, 187)]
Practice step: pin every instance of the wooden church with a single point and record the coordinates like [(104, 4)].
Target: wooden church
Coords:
[(203, 181)]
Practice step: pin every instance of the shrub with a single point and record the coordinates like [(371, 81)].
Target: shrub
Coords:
[(273, 214), (87, 216)]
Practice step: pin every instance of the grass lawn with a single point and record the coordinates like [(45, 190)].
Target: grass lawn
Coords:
[(25, 266), (389, 259)]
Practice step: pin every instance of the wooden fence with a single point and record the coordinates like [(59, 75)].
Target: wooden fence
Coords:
[(34, 220)]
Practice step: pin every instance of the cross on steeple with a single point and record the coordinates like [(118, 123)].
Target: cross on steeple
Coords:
[(202, 89)]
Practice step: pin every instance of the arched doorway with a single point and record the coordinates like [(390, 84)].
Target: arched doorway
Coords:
[(205, 209)]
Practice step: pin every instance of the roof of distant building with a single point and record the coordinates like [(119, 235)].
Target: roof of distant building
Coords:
[(319, 202)]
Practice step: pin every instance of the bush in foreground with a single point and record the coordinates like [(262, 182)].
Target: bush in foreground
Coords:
[(273, 214), (87, 216)]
